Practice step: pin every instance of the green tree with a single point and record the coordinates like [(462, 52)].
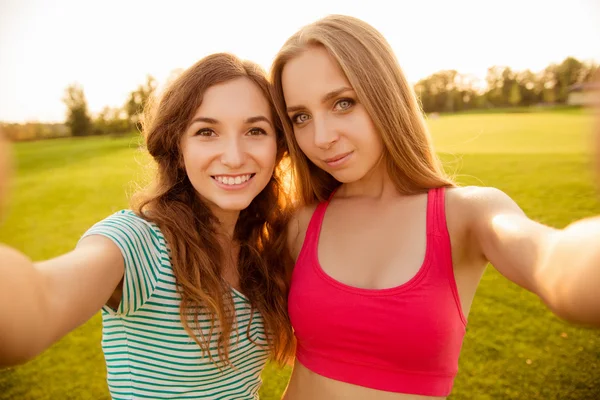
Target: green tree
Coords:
[(549, 95), (111, 121), (138, 100), (508, 81), (550, 83), (515, 95), (569, 72), (495, 82), (78, 119), (531, 89)]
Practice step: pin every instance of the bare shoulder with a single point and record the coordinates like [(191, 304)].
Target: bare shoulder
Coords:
[(469, 211), (297, 227), (474, 207), (474, 200), (99, 244)]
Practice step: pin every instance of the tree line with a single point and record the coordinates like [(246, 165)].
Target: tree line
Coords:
[(80, 122), (443, 91), (450, 91), (111, 120)]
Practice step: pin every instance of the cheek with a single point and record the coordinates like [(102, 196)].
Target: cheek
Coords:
[(196, 158), (305, 142), (264, 152), (269, 155), (372, 139)]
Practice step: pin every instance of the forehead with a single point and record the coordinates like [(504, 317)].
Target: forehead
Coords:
[(310, 75), (239, 98)]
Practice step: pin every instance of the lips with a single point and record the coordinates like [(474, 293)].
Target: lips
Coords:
[(337, 157), (232, 180)]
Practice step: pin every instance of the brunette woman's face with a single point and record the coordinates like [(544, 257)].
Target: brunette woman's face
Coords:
[(230, 148)]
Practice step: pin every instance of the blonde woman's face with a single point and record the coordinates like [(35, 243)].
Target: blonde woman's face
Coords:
[(331, 127), (230, 147)]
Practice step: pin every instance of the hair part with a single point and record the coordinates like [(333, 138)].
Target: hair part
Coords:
[(197, 256), (372, 69)]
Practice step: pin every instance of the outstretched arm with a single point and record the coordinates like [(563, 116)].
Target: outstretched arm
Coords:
[(42, 302), (561, 266), (571, 272)]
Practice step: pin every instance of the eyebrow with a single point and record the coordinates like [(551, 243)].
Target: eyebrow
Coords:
[(258, 118), (250, 120), (325, 99)]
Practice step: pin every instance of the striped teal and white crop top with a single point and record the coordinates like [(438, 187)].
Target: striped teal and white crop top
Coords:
[(148, 353)]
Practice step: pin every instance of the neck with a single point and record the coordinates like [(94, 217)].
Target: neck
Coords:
[(376, 184), (227, 221)]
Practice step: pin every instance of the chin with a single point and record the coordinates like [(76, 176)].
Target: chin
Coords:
[(347, 176), (233, 204)]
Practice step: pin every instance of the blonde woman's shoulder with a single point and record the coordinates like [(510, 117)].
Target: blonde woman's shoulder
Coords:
[(469, 208)]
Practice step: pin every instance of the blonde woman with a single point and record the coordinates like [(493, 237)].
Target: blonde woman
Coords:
[(389, 251)]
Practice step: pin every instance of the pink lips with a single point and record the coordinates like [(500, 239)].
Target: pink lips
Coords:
[(338, 159)]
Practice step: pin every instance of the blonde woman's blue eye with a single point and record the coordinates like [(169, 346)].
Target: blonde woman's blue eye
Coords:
[(300, 118), (344, 104)]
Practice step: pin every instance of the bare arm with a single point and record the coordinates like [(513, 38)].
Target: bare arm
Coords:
[(571, 272), (561, 266), (42, 302)]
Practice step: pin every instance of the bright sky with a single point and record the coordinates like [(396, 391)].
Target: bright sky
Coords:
[(110, 46)]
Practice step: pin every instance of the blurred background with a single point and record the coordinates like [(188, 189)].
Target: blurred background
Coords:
[(504, 86)]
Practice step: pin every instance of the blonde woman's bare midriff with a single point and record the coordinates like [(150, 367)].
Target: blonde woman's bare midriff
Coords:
[(307, 385)]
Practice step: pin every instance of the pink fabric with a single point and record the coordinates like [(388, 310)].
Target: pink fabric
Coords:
[(405, 339)]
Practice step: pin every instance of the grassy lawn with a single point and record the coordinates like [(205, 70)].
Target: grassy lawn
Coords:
[(514, 348)]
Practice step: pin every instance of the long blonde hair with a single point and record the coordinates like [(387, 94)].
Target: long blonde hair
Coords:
[(188, 224), (371, 67)]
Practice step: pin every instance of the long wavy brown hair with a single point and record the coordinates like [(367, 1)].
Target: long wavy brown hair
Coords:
[(371, 67), (197, 257)]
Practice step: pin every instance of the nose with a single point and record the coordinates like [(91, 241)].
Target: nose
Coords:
[(233, 154), (325, 135)]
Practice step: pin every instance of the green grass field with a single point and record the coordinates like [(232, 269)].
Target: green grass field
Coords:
[(514, 348)]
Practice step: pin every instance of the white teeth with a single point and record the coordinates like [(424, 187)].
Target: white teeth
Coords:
[(229, 180)]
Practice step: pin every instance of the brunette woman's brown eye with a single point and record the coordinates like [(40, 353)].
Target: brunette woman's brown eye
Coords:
[(257, 132), (205, 133)]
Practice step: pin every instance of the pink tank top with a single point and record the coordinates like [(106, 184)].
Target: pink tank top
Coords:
[(405, 339)]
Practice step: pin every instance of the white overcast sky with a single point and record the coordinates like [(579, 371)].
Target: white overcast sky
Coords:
[(110, 46)]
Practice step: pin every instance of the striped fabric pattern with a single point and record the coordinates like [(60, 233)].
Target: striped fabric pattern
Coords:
[(148, 353)]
